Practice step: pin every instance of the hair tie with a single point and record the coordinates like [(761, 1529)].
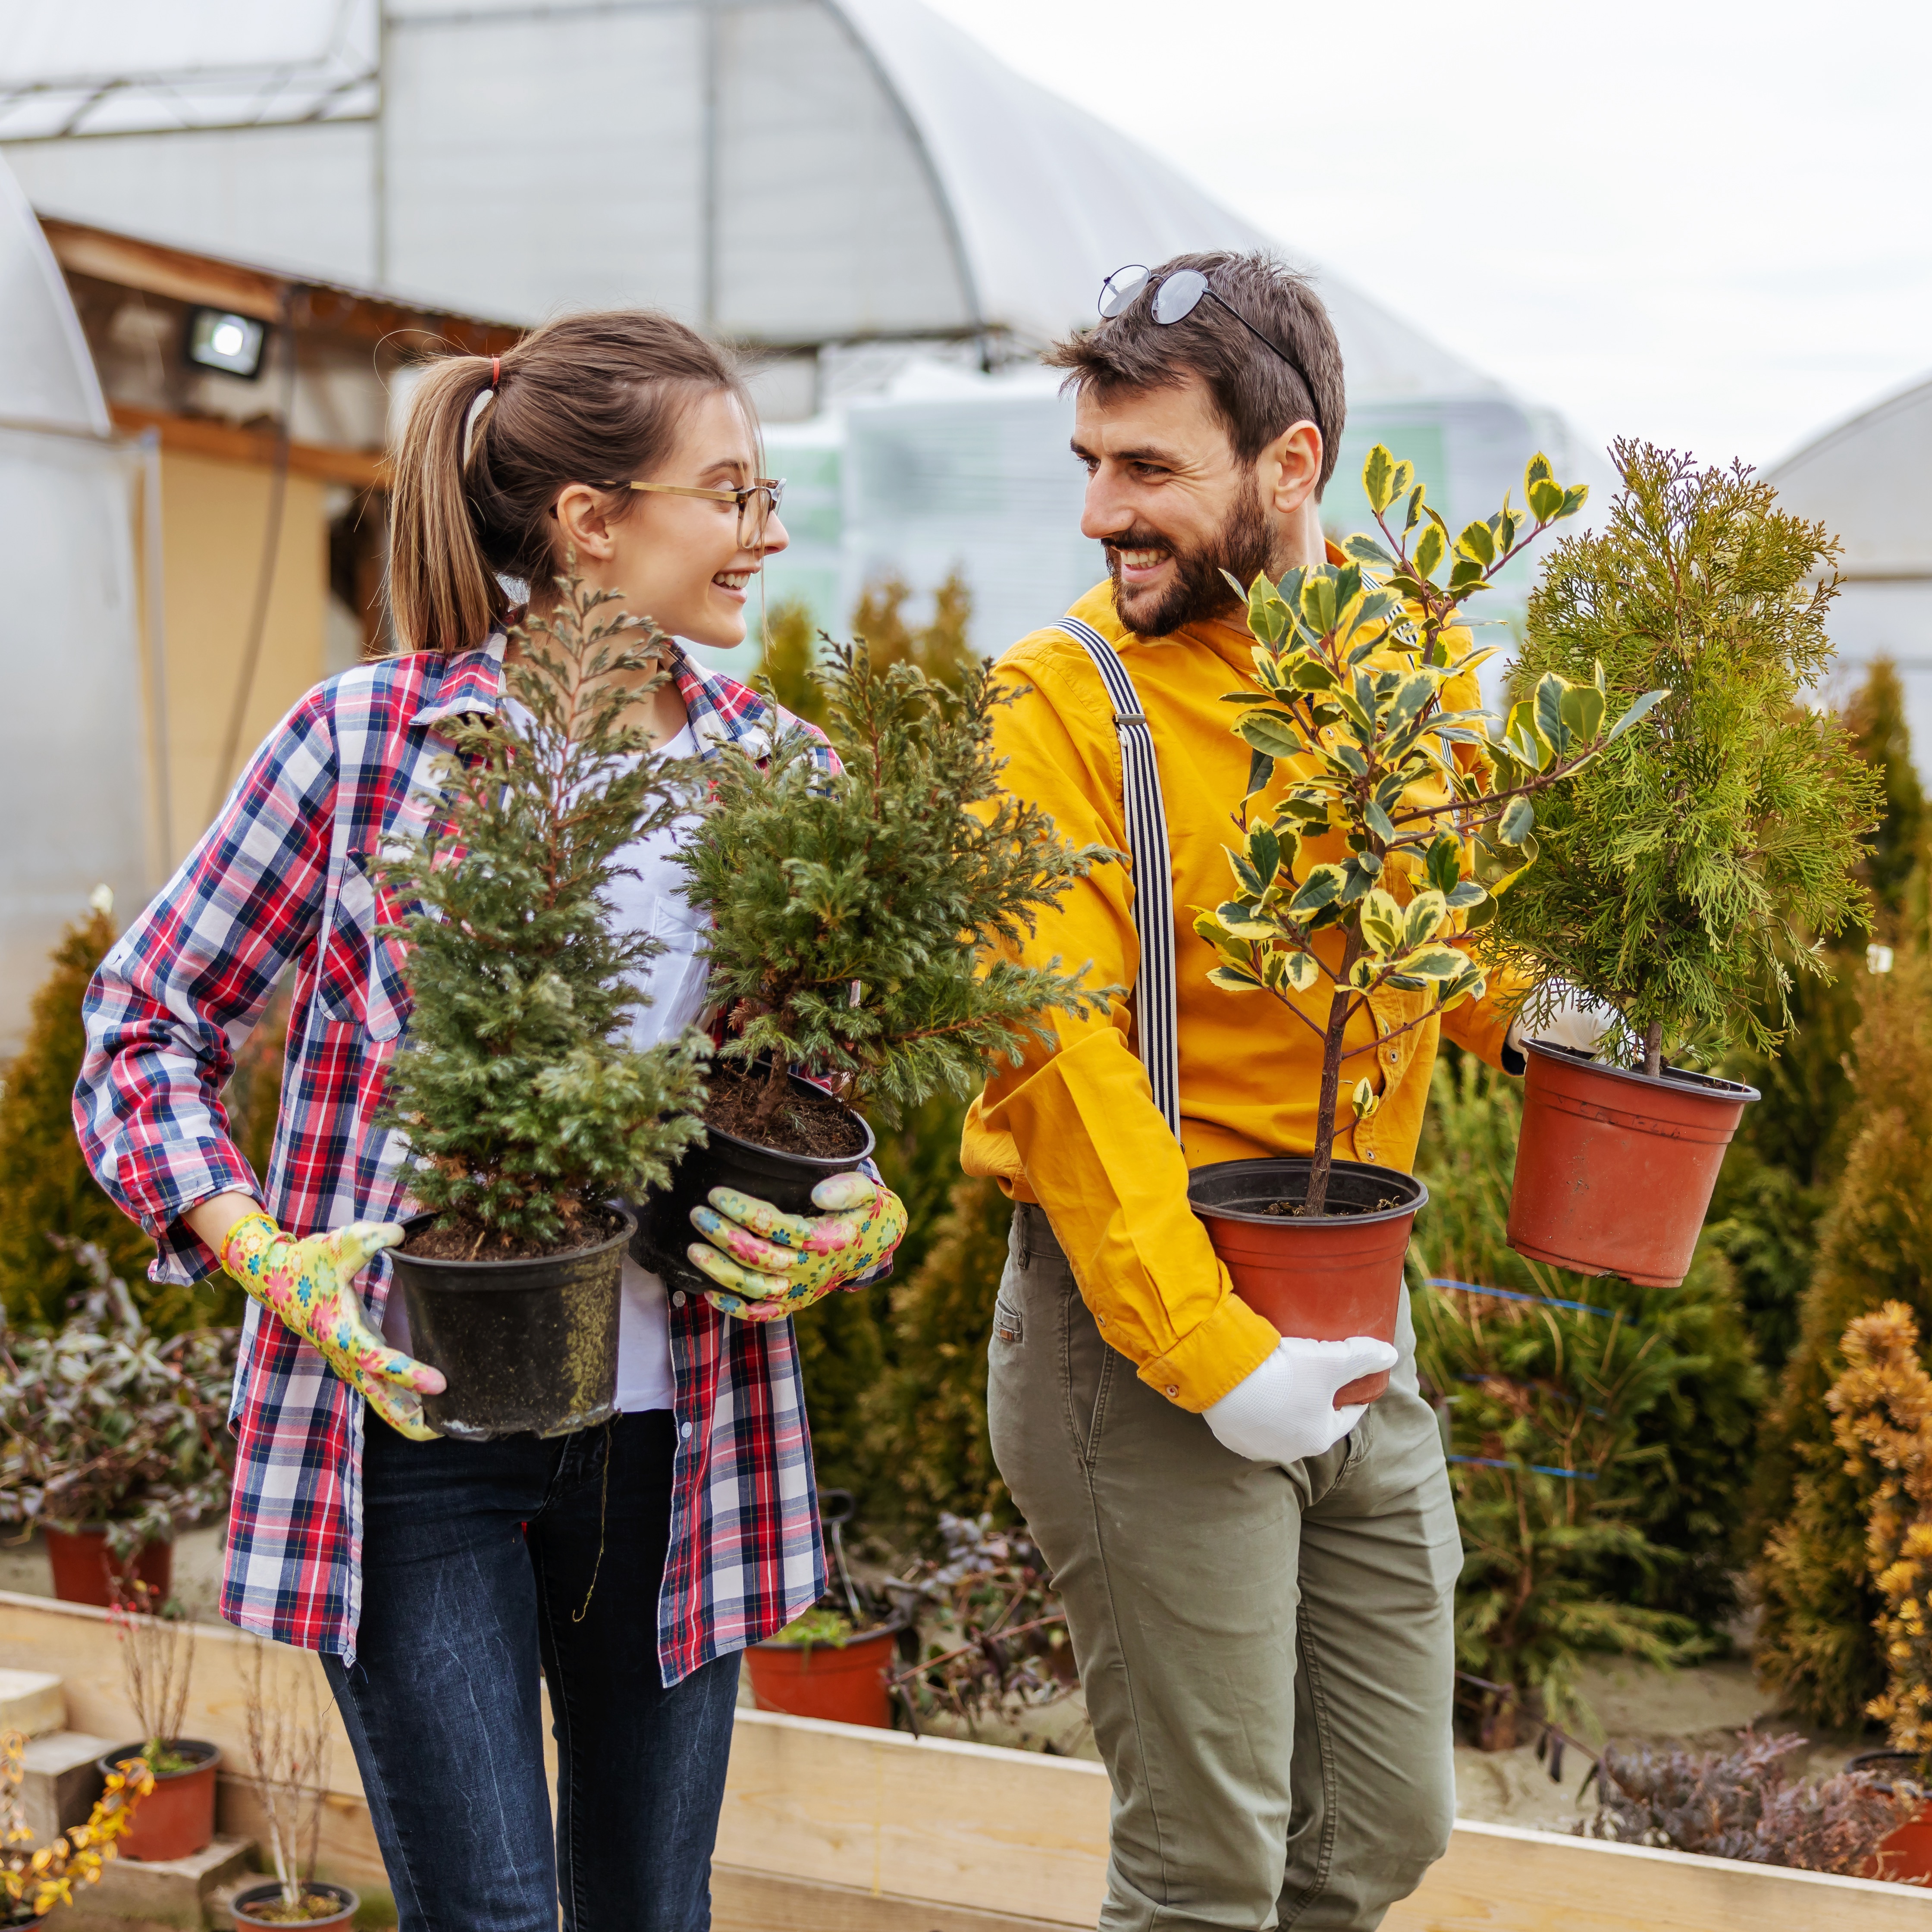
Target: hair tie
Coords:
[(496, 370)]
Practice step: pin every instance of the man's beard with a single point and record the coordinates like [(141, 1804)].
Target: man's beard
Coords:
[(1244, 547)]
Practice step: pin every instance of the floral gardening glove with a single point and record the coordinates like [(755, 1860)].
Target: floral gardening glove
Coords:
[(309, 1286), (768, 1265)]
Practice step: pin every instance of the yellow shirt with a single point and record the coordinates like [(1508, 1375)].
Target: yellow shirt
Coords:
[(1076, 1130)]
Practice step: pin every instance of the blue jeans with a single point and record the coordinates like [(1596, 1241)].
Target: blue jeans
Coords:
[(461, 1604)]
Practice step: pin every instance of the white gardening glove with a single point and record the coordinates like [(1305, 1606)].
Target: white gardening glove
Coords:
[(1285, 1410), (1578, 1022)]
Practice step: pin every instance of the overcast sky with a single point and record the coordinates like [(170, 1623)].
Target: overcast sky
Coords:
[(1705, 222)]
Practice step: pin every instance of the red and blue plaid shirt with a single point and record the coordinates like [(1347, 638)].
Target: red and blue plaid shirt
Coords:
[(285, 875)]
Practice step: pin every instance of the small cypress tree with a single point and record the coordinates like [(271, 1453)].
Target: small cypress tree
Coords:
[(1815, 1641), (525, 1105), (900, 878), (45, 1190), (1684, 875)]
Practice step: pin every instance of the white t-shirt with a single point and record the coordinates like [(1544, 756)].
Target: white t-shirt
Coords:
[(653, 901)]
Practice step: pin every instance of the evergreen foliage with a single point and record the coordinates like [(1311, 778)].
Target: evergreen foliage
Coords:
[(1896, 846), (1684, 877), (525, 1105), (46, 1190), (1815, 1643), (941, 648), (1652, 1402), (898, 877)]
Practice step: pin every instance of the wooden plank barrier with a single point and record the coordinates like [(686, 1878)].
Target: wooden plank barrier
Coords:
[(827, 1828)]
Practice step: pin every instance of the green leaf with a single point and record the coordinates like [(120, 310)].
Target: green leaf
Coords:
[(1381, 921), (1429, 551), (1214, 930), (1264, 853), (1364, 1100), (1378, 479), (1583, 711), (1550, 690), (1261, 769), (1318, 600), (1519, 816), (1445, 864), (1310, 673), (1435, 962), (1537, 470), (1301, 970), (1415, 512), (1361, 549), (1234, 980), (1322, 888), (1425, 914), (1346, 755), (1640, 708), (1573, 499), (1411, 696), (1270, 731), (1467, 894), (1246, 877), (1545, 499), (1478, 541), (1379, 822)]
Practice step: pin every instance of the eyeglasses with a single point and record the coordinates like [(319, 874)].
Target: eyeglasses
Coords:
[(1175, 298), (757, 501)]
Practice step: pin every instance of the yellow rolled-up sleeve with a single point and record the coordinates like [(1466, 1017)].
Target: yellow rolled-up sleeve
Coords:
[(1074, 1128)]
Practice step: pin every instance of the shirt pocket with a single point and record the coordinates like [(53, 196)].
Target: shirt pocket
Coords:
[(359, 980), (677, 977)]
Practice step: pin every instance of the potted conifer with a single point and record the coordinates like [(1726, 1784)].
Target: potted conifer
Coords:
[(530, 1115), (1405, 812), (855, 920), (1690, 874)]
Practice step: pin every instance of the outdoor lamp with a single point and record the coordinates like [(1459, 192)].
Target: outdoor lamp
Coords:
[(233, 344)]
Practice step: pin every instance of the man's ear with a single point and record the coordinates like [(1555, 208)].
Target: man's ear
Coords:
[(583, 523), (1290, 468)]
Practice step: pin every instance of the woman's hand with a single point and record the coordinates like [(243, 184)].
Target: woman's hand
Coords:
[(768, 1265), (309, 1286)]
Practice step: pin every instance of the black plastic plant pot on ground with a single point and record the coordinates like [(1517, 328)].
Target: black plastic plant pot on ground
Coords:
[(268, 1897), (527, 1347), (767, 1174)]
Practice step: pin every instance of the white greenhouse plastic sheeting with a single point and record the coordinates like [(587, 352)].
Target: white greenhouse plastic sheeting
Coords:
[(74, 774)]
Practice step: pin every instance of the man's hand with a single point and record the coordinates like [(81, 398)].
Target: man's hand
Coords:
[(1285, 1410), (309, 1286), (768, 1265), (1580, 1021)]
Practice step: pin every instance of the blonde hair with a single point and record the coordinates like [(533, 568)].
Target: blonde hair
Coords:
[(489, 442)]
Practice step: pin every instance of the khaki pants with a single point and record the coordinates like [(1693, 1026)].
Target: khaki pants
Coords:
[(1266, 1653)]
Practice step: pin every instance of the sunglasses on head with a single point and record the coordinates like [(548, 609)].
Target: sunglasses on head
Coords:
[(1176, 297)]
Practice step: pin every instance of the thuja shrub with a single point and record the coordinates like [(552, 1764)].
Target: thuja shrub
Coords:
[(1685, 873), (1816, 1643)]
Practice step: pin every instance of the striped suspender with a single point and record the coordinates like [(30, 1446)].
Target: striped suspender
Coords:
[(1155, 1017)]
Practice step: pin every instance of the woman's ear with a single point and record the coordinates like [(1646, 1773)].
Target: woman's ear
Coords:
[(584, 523)]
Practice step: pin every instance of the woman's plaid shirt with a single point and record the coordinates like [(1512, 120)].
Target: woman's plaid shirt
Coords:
[(285, 875)]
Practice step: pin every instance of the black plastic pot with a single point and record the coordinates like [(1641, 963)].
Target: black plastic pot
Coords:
[(768, 1174), (346, 1902), (527, 1347)]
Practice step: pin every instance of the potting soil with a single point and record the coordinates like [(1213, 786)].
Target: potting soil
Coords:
[(466, 1241), (814, 1124)]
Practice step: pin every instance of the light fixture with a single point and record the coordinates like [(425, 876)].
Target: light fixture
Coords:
[(233, 344)]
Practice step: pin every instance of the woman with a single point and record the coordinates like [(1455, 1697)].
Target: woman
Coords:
[(632, 1562)]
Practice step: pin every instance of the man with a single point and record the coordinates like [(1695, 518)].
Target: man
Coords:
[(1259, 1586)]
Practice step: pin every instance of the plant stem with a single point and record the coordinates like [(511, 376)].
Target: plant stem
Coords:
[(1653, 1049), (776, 1079), (1317, 1200)]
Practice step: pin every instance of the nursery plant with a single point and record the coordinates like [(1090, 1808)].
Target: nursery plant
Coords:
[(1407, 810), (107, 1430), (855, 917), (1696, 865), (35, 1879), (528, 1111), (289, 1727), (157, 1645)]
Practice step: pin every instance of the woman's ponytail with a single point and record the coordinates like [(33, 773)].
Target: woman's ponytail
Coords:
[(443, 595), (490, 441)]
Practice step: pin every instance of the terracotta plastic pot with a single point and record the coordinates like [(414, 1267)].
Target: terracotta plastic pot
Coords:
[(844, 1684), (527, 1347), (347, 1902), (770, 1174), (176, 1818), (1325, 1279), (1614, 1169), (82, 1573), (1905, 1856)]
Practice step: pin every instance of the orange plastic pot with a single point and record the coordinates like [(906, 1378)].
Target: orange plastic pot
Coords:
[(1614, 1170), (1905, 1856), (1323, 1279), (845, 1683), (176, 1818), (83, 1567)]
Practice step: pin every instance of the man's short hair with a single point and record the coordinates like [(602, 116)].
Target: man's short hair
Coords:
[(1255, 392)]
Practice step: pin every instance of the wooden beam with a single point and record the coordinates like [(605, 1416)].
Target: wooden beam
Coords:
[(228, 442), (176, 273), (763, 1901)]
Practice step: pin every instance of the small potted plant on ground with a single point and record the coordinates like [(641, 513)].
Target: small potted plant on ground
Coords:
[(156, 1663), (1405, 811), (1689, 874), (853, 918), (1882, 1421), (112, 1441), (289, 1737), (35, 1879), (530, 1115)]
